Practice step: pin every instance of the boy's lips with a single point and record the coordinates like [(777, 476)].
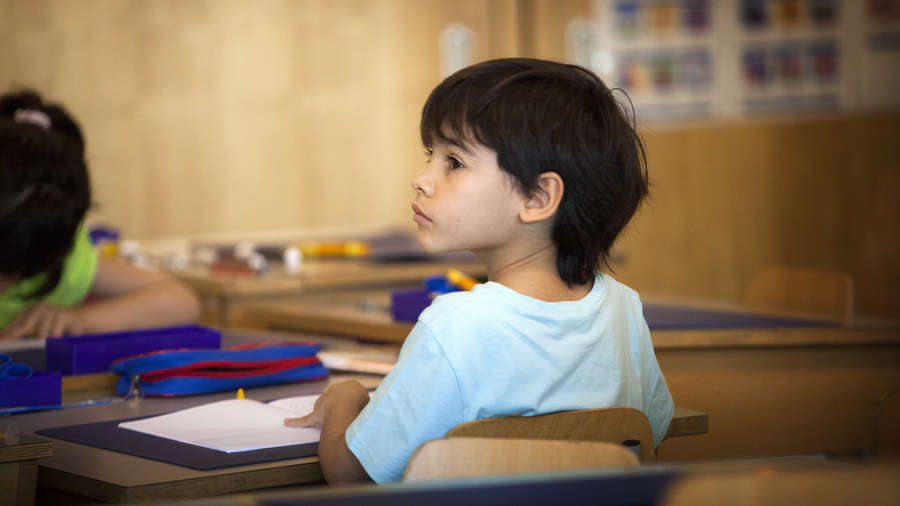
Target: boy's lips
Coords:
[(418, 215)]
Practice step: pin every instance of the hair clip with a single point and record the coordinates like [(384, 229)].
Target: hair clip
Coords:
[(33, 116)]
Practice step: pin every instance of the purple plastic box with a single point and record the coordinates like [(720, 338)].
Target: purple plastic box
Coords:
[(39, 389), (95, 352), (406, 305)]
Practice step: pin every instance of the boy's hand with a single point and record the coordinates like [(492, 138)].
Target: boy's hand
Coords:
[(313, 419), (334, 411), (340, 394), (42, 321)]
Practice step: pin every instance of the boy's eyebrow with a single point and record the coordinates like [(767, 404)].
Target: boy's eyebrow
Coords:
[(455, 142)]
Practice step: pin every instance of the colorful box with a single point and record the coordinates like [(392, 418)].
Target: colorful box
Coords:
[(95, 352), (406, 305), (39, 389)]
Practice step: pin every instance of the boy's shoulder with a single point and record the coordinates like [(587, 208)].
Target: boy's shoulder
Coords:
[(466, 301), (491, 301), (611, 285), (482, 306)]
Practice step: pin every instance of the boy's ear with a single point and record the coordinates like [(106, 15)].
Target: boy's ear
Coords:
[(543, 200)]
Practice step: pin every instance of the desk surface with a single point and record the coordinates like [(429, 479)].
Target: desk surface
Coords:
[(320, 275), (223, 296), (117, 477)]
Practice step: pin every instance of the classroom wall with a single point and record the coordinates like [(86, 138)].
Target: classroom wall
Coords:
[(227, 116), (207, 116)]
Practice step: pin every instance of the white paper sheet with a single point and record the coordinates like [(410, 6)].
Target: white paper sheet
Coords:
[(234, 425)]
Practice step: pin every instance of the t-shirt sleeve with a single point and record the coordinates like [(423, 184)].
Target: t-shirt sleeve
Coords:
[(418, 401), (658, 400), (78, 273), (74, 284)]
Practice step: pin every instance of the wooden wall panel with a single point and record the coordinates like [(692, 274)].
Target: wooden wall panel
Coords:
[(543, 23), (729, 198), (208, 116)]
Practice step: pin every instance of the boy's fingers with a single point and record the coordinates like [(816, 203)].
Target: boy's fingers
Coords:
[(16, 330), (297, 422)]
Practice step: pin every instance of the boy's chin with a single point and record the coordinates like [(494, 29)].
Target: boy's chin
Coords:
[(431, 246)]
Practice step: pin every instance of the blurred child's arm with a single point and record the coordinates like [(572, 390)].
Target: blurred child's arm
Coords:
[(334, 411), (42, 320), (130, 297)]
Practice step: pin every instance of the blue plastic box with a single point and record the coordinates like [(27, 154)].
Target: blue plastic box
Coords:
[(39, 389), (406, 305), (95, 352)]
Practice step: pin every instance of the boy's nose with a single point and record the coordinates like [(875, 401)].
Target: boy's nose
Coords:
[(419, 182)]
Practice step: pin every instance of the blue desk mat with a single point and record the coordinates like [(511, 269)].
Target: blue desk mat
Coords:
[(679, 318), (109, 436)]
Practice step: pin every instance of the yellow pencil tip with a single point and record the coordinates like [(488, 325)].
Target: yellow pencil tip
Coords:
[(240, 394)]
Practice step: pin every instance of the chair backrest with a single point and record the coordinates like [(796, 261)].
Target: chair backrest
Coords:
[(460, 457), (804, 291), (612, 425)]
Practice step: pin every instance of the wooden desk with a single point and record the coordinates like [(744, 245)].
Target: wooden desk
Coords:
[(224, 297), (117, 477), (770, 391), (363, 314), (781, 391), (18, 467)]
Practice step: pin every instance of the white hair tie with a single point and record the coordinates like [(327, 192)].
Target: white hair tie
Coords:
[(34, 117)]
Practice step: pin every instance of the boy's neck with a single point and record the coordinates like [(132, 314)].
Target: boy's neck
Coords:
[(534, 275)]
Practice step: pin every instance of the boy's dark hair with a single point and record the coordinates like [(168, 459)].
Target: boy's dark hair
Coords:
[(44, 187), (543, 116)]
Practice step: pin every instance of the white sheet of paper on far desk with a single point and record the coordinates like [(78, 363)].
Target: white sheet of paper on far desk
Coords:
[(234, 425)]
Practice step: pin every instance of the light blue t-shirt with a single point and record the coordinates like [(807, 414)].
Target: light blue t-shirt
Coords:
[(494, 352)]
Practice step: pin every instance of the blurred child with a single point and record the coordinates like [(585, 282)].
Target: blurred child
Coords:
[(534, 167), (47, 263)]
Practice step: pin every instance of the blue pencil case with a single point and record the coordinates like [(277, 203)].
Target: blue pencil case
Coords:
[(176, 373)]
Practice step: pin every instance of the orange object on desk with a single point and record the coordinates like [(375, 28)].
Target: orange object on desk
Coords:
[(341, 248), (461, 280)]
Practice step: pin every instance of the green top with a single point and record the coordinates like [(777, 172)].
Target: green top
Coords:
[(74, 284)]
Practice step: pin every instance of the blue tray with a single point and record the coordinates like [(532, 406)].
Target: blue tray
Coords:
[(94, 353)]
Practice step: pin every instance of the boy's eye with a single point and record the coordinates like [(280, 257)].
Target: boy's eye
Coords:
[(428, 154), (453, 163)]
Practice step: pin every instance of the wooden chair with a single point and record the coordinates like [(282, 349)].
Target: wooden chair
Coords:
[(611, 425), (803, 291), (461, 457)]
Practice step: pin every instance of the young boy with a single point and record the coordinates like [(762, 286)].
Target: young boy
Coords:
[(534, 167)]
